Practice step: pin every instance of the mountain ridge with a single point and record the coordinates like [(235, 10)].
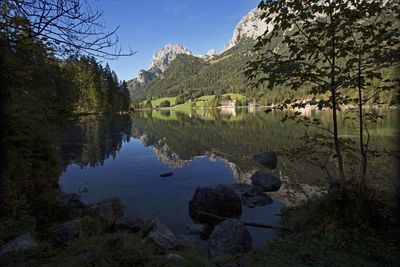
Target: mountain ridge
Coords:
[(249, 27)]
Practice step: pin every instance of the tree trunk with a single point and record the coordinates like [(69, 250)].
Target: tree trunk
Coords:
[(334, 104), (363, 163)]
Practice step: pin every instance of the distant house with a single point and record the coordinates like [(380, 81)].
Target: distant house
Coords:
[(227, 103)]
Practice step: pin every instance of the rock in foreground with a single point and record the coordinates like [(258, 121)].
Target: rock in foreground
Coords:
[(195, 229), (129, 223), (267, 159), (266, 181), (20, 243), (220, 200), (228, 238), (66, 232), (108, 210), (72, 202), (162, 236)]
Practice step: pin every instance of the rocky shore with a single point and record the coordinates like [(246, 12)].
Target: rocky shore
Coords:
[(215, 210)]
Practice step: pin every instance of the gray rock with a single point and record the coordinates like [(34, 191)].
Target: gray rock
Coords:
[(267, 159), (129, 223), (220, 200), (195, 228), (108, 210), (266, 181), (174, 257), (20, 243), (228, 238), (66, 232), (72, 202), (252, 196), (162, 236)]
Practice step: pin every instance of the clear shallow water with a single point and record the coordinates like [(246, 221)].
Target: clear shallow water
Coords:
[(124, 156), (134, 176)]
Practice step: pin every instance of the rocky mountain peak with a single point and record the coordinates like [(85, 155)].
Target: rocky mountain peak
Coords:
[(211, 52), (250, 26), (163, 58)]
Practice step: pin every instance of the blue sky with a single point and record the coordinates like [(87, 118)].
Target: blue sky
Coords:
[(147, 25)]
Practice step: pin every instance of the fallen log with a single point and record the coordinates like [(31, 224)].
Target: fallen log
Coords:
[(260, 225)]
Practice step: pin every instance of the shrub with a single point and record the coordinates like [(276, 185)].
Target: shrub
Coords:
[(165, 103)]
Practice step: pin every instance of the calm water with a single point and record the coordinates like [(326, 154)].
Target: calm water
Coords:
[(124, 156)]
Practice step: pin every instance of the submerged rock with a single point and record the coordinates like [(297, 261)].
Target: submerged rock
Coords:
[(72, 202), (258, 201), (167, 174), (252, 196), (162, 236), (267, 159), (108, 210), (228, 238), (20, 243), (195, 228), (129, 223), (266, 181), (220, 200), (66, 232)]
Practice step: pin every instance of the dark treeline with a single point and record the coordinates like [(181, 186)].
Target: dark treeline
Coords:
[(35, 80), (40, 90)]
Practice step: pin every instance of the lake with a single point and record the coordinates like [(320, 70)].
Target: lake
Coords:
[(124, 156)]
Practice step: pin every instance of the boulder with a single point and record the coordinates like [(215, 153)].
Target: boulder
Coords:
[(266, 181), (66, 232), (220, 200), (228, 238), (162, 236), (108, 210), (267, 159), (72, 202), (20, 243), (252, 196), (129, 223)]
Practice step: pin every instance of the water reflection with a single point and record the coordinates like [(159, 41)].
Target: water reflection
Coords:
[(200, 147)]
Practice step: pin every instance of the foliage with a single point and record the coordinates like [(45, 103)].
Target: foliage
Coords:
[(189, 77), (165, 103), (318, 42), (69, 27), (364, 233)]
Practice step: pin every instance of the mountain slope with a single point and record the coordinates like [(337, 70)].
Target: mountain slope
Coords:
[(213, 73), (158, 65), (190, 77), (182, 68)]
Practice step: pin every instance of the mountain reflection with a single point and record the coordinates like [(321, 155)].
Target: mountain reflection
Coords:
[(178, 138)]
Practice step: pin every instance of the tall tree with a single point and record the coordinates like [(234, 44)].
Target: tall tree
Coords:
[(316, 47), (309, 32), (373, 50)]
